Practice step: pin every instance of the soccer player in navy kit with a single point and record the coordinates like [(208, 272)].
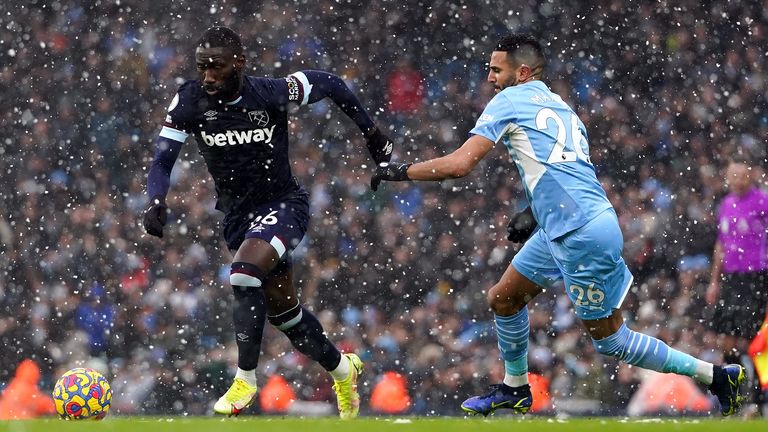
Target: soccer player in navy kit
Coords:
[(240, 125), (578, 243)]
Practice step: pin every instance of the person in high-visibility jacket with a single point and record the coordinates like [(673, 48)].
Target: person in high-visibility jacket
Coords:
[(758, 351), (390, 395), (22, 399), (277, 396), (542, 400)]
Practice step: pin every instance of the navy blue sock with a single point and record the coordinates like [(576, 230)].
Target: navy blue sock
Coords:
[(307, 336), (248, 312)]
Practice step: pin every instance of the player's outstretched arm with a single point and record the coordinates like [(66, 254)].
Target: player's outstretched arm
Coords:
[(323, 84), (454, 165), (158, 182)]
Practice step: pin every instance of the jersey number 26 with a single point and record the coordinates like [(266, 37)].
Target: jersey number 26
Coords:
[(561, 151)]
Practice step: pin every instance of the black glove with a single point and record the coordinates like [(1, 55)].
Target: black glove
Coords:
[(521, 226), (380, 146), (391, 171), (155, 217)]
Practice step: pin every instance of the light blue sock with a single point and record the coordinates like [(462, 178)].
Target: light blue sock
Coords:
[(647, 352), (512, 332)]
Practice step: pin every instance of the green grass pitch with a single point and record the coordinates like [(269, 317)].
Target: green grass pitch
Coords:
[(388, 424)]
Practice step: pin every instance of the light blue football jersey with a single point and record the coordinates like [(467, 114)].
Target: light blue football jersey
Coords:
[(548, 143)]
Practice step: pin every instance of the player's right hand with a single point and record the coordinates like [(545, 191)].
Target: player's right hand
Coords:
[(155, 217), (521, 226), (391, 171)]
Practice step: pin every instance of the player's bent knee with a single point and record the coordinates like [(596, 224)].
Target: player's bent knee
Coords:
[(246, 275), (502, 303), (494, 301)]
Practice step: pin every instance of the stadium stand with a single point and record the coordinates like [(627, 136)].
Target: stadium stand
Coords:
[(668, 95)]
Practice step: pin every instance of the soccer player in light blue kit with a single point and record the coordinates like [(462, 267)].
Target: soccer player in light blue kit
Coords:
[(579, 242)]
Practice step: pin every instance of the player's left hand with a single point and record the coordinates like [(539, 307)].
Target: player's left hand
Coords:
[(380, 146), (521, 226), (155, 217), (390, 171)]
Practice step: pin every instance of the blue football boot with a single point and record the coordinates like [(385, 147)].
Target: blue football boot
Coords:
[(518, 399), (725, 385)]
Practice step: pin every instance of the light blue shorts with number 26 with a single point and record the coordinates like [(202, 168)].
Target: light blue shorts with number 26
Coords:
[(588, 261)]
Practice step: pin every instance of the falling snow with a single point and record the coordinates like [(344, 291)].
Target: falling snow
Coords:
[(668, 92)]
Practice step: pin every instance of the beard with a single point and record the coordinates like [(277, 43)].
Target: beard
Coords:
[(227, 90)]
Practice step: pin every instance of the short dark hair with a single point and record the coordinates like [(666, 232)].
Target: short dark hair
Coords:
[(221, 37), (523, 48)]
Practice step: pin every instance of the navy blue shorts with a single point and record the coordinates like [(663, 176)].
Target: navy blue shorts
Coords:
[(281, 223)]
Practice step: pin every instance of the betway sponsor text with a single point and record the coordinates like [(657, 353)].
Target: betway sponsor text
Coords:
[(239, 137)]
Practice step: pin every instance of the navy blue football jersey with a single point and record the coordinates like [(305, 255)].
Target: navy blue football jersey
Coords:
[(244, 142)]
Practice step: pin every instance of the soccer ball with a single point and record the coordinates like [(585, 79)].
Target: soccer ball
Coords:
[(82, 393)]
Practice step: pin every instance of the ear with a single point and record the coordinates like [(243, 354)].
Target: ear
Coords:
[(524, 73), (240, 62)]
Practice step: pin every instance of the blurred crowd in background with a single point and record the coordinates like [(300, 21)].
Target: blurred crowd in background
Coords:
[(668, 93)]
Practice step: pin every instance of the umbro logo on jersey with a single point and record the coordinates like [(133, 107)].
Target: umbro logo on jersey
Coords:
[(238, 137), (210, 115), (261, 118)]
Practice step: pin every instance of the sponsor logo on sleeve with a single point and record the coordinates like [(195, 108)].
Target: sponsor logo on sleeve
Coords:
[(295, 90), (484, 118)]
